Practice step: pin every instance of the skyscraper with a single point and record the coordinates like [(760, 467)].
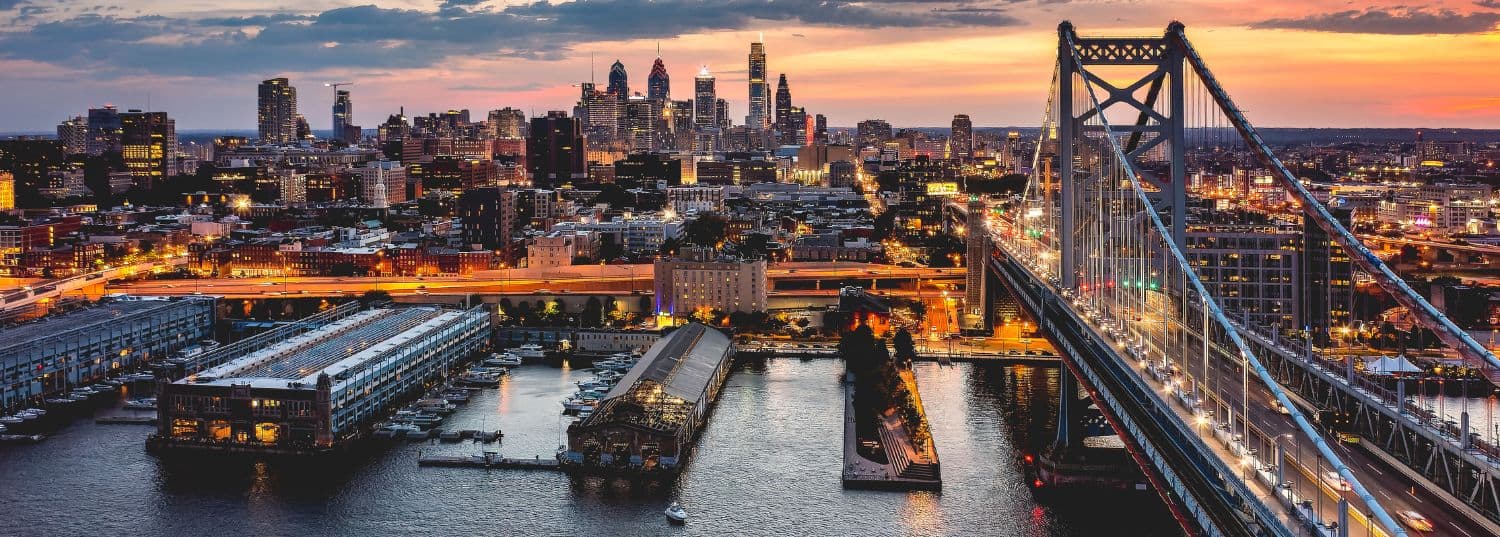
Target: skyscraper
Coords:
[(705, 100), (148, 143), (103, 130), (276, 113), (820, 129), (640, 121), (619, 84), (961, 139), (760, 112), (784, 125), (721, 112), (554, 150), (659, 85), (343, 114)]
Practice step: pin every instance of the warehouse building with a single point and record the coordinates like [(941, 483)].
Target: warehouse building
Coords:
[(647, 423), (62, 351), (316, 392)]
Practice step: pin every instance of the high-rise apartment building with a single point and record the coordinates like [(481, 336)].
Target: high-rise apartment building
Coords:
[(148, 143), (555, 149), (705, 100), (721, 111), (73, 134), (276, 111), (343, 117), (659, 84), (760, 106), (961, 138)]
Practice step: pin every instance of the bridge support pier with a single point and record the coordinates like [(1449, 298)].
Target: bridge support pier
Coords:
[(1070, 463)]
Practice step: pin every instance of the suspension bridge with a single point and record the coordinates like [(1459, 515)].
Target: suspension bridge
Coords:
[(1230, 410)]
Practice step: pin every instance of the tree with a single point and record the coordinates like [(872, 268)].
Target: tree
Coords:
[(906, 348), (706, 230), (593, 313), (609, 247)]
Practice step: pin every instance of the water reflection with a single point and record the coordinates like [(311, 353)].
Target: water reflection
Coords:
[(768, 463)]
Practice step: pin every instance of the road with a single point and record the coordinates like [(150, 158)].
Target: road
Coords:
[(581, 279)]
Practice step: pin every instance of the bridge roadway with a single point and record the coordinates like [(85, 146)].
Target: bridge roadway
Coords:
[(1392, 487), (580, 279), (1193, 479)]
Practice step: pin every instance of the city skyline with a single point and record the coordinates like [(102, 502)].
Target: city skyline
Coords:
[(197, 62)]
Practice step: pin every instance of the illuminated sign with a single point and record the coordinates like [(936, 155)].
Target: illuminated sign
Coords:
[(943, 188)]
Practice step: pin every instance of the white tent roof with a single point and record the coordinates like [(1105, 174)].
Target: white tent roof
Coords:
[(1386, 365)]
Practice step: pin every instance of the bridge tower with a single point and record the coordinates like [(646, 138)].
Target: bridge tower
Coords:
[(978, 311), (1152, 72)]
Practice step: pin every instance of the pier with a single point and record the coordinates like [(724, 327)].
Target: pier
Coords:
[(890, 461), (125, 420)]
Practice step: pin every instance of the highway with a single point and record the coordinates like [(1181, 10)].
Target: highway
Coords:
[(581, 279)]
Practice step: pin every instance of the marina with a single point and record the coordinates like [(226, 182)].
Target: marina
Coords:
[(774, 439)]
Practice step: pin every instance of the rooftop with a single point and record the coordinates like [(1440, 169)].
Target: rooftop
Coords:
[(85, 319), (662, 389), (338, 349)]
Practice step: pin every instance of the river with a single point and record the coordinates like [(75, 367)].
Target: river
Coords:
[(768, 463)]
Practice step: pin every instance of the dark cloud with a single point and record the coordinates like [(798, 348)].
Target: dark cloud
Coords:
[(369, 36), (1396, 21), (1492, 4)]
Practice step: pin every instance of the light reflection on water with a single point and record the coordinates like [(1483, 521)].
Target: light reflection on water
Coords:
[(768, 463)]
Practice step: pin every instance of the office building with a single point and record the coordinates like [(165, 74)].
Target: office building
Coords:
[(873, 132), (8, 191), (148, 144), (705, 101), (555, 150), (784, 111), (103, 131), (276, 112), (639, 123), (62, 351), (760, 105), (318, 391), (507, 123), (961, 138), (659, 84), (619, 84)]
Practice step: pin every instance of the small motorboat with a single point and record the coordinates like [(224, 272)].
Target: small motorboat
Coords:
[(676, 514), (141, 403)]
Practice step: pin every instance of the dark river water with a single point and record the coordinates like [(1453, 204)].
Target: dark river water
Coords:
[(767, 464)]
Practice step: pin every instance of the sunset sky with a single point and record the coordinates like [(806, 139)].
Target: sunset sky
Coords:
[(1305, 63)]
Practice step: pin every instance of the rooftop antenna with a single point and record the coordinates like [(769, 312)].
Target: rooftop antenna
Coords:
[(591, 68), (762, 38)]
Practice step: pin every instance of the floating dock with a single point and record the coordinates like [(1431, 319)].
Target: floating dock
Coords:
[(125, 420), (489, 460)]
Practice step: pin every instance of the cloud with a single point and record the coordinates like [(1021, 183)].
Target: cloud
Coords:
[(1492, 4), (1394, 21), (7, 5), (369, 36)]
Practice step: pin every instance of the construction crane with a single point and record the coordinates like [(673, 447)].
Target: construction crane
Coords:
[(335, 85)]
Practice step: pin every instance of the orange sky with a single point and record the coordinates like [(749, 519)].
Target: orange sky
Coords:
[(1288, 63)]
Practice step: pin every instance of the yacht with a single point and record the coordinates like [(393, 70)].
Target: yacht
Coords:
[(530, 350), (12, 420), (676, 514), (502, 359), (577, 404)]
